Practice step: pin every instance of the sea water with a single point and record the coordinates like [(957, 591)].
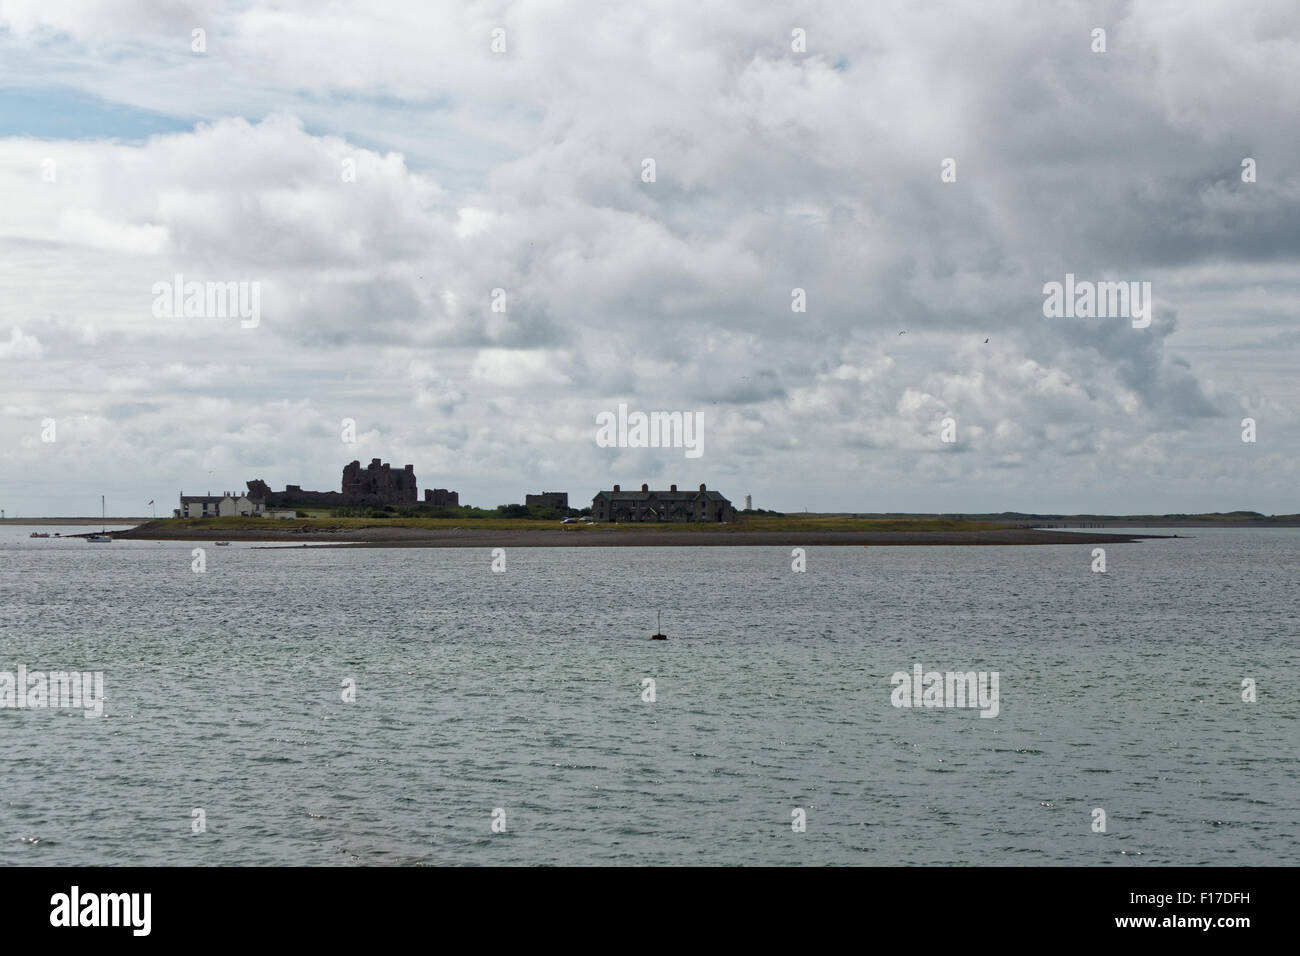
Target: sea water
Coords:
[(412, 706)]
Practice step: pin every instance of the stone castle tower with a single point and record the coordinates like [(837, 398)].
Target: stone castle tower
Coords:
[(378, 481), (376, 484)]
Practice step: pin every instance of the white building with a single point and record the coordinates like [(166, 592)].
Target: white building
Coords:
[(243, 506), (219, 506), (282, 513)]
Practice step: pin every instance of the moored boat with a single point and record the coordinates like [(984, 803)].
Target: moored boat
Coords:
[(103, 531), (659, 634)]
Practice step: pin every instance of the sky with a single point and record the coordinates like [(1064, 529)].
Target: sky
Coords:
[(457, 245)]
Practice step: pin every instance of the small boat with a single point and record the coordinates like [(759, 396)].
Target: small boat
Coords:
[(222, 544), (35, 534), (659, 635), (103, 533)]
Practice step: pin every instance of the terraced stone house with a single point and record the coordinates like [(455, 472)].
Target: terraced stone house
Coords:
[(670, 505)]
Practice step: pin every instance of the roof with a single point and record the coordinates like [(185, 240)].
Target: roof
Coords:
[(212, 499), (661, 495)]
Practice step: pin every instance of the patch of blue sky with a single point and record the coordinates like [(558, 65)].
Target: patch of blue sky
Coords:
[(67, 114)]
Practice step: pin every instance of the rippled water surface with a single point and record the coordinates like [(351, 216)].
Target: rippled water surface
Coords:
[(523, 691)]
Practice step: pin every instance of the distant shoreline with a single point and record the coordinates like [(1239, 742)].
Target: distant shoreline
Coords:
[(1086, 522), (397, 537), (35, 522), (1167, 523)]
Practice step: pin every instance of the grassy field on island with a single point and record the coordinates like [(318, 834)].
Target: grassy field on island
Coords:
[(805, 522)]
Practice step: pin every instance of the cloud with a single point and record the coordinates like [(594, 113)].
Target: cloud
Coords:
[(381, 204), (512, 368), (21, 346)]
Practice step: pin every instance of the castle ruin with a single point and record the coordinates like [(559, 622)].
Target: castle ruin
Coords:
[(379, 484), (376, 485)]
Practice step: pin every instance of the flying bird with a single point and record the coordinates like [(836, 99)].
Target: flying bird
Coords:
[(904, 332), (986, 341)]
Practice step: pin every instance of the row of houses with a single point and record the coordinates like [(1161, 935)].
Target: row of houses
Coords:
[(228, 505), (670, 505), (645, 505), (614, 505)]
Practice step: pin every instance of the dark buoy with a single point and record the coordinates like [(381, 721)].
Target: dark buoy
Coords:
[(659, 636)]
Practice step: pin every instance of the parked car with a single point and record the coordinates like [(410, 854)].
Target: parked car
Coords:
[(568, 521)]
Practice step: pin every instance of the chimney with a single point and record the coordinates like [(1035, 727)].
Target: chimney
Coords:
[(645, 487), (410, 468), (616, 487), (702, 488), (672, 487)]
